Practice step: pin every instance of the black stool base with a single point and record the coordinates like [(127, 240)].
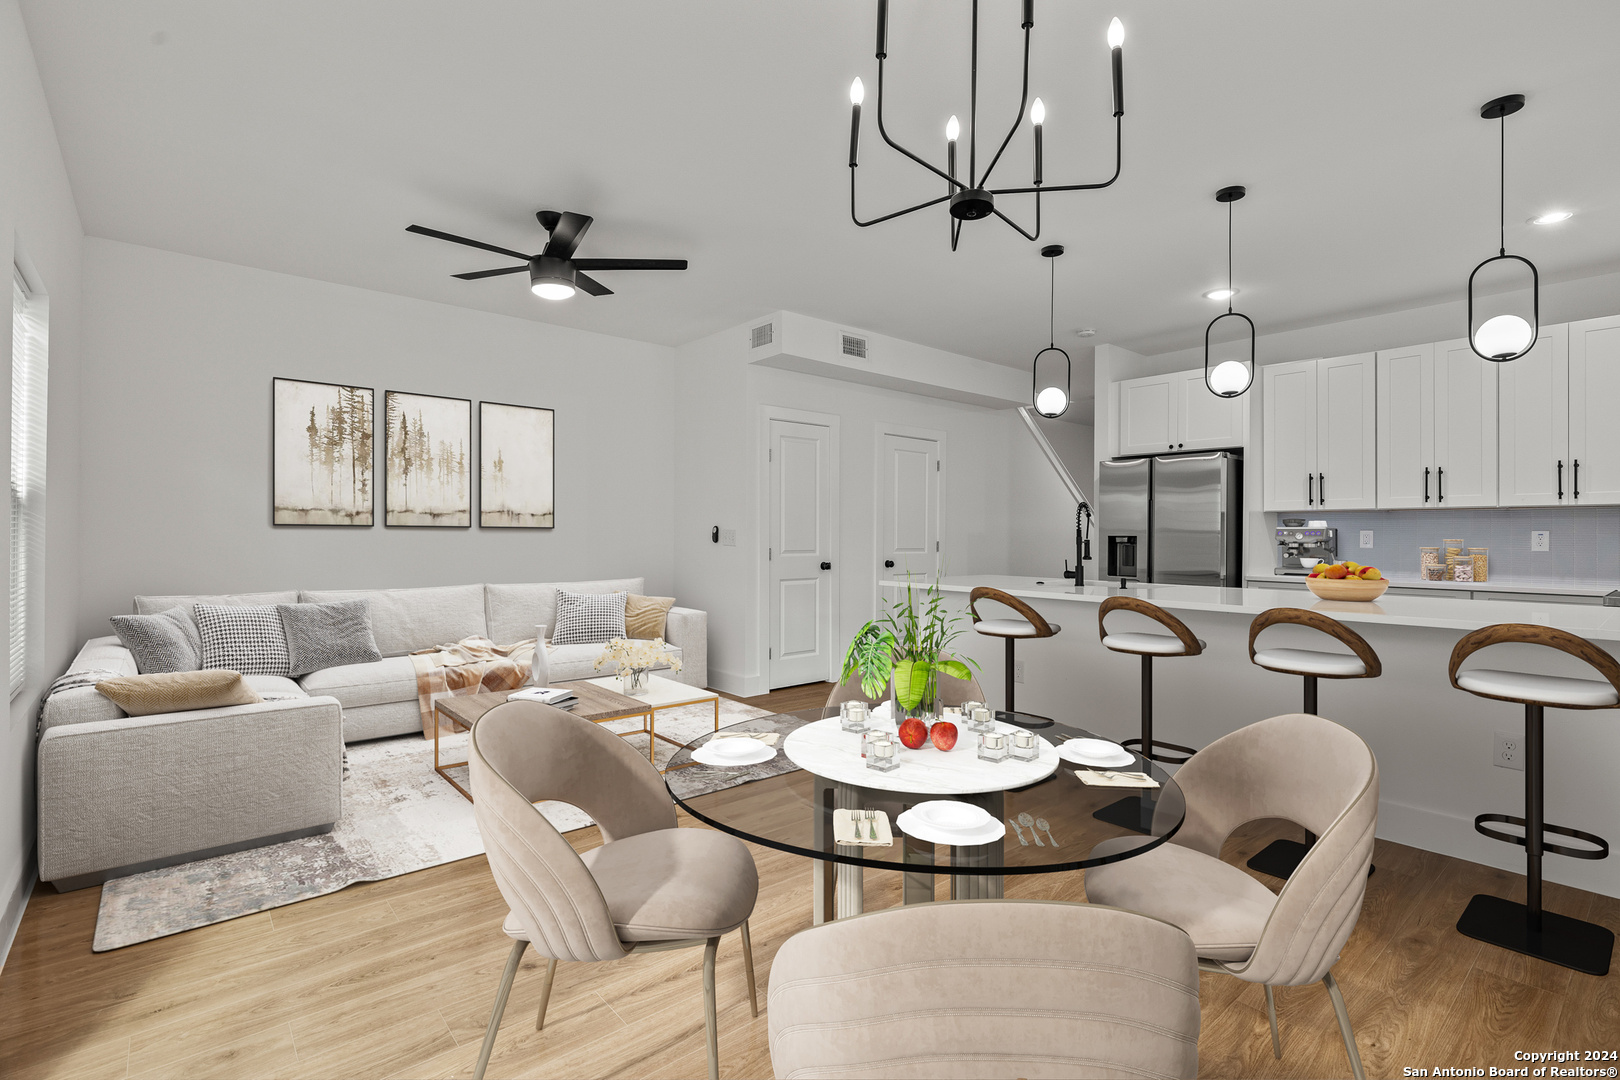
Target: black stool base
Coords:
[(1024, 719), (1567, 942), (1280, 858), (1134, 812)]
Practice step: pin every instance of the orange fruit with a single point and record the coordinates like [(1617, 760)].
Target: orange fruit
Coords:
[(1335, 572)]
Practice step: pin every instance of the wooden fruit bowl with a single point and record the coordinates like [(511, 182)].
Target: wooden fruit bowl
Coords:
[(1347, 589)]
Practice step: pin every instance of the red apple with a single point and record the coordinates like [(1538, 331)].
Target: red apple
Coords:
[(913, 733), (944, 734)]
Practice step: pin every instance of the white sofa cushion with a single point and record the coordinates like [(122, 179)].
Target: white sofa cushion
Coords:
[(405, 620), (515, 610), (152, 605), (275, 687), (357, 685), (84, 704)]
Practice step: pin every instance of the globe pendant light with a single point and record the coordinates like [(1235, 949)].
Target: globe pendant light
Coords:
[(1051, 397), (1498, 329), (1229, 377)]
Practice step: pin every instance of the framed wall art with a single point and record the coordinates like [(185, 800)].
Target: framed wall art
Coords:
[(427, 444), (321, 454), (516, 466)]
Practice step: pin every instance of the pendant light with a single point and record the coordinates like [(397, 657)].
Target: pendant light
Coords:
[(1500, 329), (1229, 377), (1052, 398)]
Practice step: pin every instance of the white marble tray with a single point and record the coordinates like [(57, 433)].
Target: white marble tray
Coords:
[(826, 750)]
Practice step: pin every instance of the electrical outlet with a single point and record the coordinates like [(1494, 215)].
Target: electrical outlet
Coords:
[(1366, 538), (728, 537), (1509, 752), (1018, 671), (1541, 540)]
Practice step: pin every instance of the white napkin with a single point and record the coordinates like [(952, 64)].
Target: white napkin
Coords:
[(844, 830), (769, 738), (1107, 778)]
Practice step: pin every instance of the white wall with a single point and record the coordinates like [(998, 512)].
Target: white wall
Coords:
[(39, 226), (179, 355), (1040, 519)]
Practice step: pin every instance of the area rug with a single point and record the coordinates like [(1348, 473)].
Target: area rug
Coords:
[(399, 816)]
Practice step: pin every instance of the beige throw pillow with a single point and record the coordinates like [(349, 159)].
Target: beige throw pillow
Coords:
[(644, 615), (178, 691)]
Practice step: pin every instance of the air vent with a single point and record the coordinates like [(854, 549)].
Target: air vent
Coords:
[(855, 346), (761, 336)]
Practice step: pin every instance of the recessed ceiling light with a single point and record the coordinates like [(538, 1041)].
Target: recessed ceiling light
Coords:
[(1221, 294), (1552, 217), (1085, 331)]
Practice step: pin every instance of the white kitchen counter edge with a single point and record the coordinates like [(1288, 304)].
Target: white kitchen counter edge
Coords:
[(1506, 585)]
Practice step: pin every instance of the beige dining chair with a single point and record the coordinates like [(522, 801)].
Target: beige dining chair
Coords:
[(986, 988), (1298, 767), (649, 887)]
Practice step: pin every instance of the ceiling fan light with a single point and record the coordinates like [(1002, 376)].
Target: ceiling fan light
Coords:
[(1052, 402), (551, 278), (1503, 337), (552, 290)]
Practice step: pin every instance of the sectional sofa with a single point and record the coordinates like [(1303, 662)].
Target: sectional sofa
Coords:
[(120, 794)]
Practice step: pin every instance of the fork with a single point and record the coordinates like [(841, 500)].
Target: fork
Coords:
[(871, 824)]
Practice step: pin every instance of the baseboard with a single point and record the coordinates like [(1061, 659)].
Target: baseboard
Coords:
[(737, 685), (16, 904), (99, 877)]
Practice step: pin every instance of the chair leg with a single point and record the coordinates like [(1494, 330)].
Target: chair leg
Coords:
[(545, 994), (748, 967), (1271, 1014), (1344, 1026), (709, 1017), (512, 961)]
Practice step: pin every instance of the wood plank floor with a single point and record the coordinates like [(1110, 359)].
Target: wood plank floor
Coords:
[(395, 979)]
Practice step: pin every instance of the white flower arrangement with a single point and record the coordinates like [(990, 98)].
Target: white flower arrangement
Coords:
[(632, 654)]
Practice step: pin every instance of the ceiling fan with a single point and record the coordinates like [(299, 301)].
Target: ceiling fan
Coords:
[(554, 274)]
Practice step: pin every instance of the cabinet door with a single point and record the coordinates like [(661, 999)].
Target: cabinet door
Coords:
[(1147, 415), (1406, 428), (1347, 433), (1533, 424), (1288, 430), (1208, 421), (1594, 387), (1464, 426)]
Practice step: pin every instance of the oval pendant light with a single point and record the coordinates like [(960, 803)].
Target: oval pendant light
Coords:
[(1502, 326), (1050, 397), (1231, 377)]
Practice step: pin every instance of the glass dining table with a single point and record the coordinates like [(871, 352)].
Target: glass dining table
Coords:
[(1052, 825)]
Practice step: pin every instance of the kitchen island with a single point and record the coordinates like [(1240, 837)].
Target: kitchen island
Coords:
[(1435, 745)]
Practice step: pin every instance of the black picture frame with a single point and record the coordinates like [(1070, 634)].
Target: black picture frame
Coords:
[(361, 452), (397, 467), (546, 469)]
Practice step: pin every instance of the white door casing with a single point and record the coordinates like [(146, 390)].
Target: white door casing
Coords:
[(800, 509)]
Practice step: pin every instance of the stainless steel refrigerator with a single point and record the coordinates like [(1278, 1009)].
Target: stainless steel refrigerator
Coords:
[(1172, 520)]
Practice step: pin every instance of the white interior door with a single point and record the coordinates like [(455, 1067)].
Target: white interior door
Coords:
[(800, 554), (908, 506)]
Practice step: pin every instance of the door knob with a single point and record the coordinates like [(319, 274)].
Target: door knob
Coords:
[(888, 564), (826, 566)]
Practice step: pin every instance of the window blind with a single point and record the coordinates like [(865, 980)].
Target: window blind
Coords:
[(28, 383)]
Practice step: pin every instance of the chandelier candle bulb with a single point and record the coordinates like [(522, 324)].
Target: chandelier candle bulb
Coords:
[(857, 93), (1037, 117), (1116, 43)]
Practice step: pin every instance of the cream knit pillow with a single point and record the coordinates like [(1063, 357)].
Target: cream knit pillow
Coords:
[(644, 616), (177, 691)]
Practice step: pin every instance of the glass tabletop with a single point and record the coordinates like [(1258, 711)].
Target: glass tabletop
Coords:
[(1051, 825)]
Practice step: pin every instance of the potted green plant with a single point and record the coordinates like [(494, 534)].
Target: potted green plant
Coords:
[(906, 647)]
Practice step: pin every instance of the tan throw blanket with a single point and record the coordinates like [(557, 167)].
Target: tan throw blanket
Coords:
[(472, 665)]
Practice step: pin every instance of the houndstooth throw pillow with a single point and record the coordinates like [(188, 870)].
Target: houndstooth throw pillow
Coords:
[(245, 639), (588, 618)]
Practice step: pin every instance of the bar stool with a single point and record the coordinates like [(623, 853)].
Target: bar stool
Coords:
[(1133, 812), (1031, 625), (1281, 857), (1526, 928)]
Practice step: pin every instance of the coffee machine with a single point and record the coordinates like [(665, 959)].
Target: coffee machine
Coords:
[(1297, 542)]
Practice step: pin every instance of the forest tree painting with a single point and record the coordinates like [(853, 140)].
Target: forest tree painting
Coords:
[(515, 475), (428, 442), (322, 454)]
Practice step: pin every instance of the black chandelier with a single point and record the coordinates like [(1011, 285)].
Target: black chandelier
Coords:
[(1049, 398), (973, 198), (1510, 333), (1230, 377)]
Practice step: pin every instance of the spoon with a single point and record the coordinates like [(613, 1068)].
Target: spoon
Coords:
[(1040, 823), (1029, 823)]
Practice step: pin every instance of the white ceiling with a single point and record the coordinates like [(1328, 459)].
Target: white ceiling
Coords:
[(302, 136)]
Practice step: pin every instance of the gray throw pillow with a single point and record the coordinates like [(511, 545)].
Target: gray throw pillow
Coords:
[(167, 641), (328, 635)]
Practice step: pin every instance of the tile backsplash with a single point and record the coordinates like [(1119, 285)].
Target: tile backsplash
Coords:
[(1584, 546)]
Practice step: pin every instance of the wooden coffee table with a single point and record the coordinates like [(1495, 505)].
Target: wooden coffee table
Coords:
[(597, 704)]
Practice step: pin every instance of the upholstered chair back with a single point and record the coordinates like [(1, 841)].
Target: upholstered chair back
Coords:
[(952, 692), (524, 752), (1311, 771), (986, 988)]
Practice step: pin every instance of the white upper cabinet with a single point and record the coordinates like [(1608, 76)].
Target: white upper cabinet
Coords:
[(1594, 431), (1533, 424), (1406, 428), (1147, 415), (1347, 433), (1209, 422), (1164, 414), (1436, 427), (1288, 424)]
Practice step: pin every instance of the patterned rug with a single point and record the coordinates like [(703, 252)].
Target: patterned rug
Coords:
[(399, 816)]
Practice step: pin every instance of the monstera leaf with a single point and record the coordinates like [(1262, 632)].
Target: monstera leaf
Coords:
[(911, 681)]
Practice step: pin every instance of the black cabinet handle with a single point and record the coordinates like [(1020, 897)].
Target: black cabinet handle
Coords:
[(1425, 483), (1560, 479), (1440, 483), (1321, 488), (888, 564), (1577, 491), (1310, 490), (826, 566)]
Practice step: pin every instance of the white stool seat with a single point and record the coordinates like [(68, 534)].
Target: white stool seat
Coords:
[(1147, 644), (1542, 689), (1009, 628), (1311, 662)]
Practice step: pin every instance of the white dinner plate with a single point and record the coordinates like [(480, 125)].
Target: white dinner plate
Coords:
[(988, 833), (1098, 753), (950, 815), (733, 748), (707, 755)]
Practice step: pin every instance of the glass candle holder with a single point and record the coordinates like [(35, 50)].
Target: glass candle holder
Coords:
[(992, 746), (882, 754), (852, 715), (968, 707), (981, 720), (1024, 746)]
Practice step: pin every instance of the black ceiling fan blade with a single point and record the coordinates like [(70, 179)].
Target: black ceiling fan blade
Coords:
[(566, 236), (476, 274), (630, 264), (454, 239), (591, 285)]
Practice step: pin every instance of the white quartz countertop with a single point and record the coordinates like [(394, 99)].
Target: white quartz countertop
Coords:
[(1495, 584), (1438, 612)]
